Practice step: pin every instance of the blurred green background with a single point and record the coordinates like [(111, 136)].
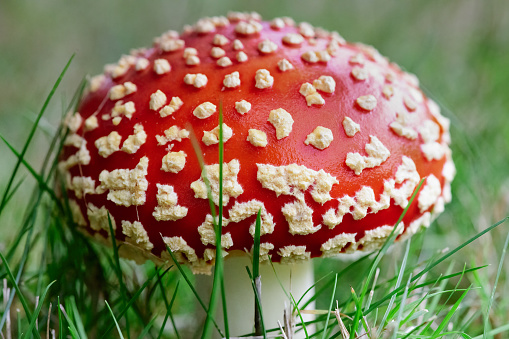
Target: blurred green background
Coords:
[(458, 48)]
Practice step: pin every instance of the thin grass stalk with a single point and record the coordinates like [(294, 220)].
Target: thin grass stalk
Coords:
[(492, 297), (258, 313), (32, 133), (330, 305)]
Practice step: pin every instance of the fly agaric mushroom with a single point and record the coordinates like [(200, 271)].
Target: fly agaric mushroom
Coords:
[(327, 138)]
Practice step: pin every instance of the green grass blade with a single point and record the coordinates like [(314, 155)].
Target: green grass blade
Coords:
[(36, 176), (71, 327), (118, 271), (449, 315), (218, 268), (398, 284), (37, 311), (380, 254), (115, 320), (452, 252), (60, 320), (146, 329), (32, 133), (190, 284), (18, 292), (258, 302), (401, 308), (168, 310), (492, 297), (128, 305), (330, 305), (443, 258), (71, 305)]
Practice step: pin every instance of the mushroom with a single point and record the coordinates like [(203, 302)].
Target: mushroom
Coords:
[(326, 138)]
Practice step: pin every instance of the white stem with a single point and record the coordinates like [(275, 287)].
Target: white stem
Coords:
[(296, 278)]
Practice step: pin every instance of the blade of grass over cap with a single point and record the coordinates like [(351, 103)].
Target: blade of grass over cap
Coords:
[(32, 133), (217, 284)]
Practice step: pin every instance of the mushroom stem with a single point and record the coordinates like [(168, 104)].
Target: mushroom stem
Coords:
[(295, 278)]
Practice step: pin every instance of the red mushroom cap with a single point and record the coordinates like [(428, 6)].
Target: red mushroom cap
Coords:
[(327, 138)]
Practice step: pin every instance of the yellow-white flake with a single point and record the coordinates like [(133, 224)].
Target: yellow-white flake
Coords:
[(133, 142), (167, 208), (282, 122), (243, 106), (243, 210), (267, 46), (204, 110), (429, 131), (73, 121), (367, 102), (232, 80), (192, 60), (300, 218), (217, 52), (293, 254), (91, 123), (82, 186), (197, 80), (284, 65), (76, 214), (321, 137), (238, 45), (109, 144), (161, 66), (434, 150), (408, 178), (208, 234), (120, 91), (157, 100), (98, 218), (220, 40), (212, 137), (96, 82), (126, 187), (410, 104), (182, 251), (224, 62), (174, 162), (248, 27), (171, 44), (123, 109), (377, 154), (293, 39), (335, 245), (350, 126), (174, 133), (257, 138), (295, 179), (430, 193), (388, 91), (141, 64), (402, 126), (231, 186), (306, 29), (263, 79), (172, 107), (312, 96), (241, 57), (325, 84), (136, 234), (360, 73), (374, 239)]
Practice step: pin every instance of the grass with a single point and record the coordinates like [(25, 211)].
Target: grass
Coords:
[(448, 282)]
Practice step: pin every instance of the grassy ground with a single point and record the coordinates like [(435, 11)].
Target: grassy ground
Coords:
[(457, 48)]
